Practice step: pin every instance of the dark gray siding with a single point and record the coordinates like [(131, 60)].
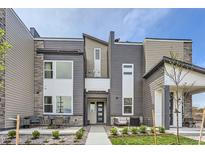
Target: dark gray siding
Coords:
[(69, 45), (78, 77), (125, 54), (19, 75)]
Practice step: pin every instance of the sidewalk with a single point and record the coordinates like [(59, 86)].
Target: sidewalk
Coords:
[(97, 136)]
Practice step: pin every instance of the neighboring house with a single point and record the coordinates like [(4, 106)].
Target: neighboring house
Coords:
[(90, 80)]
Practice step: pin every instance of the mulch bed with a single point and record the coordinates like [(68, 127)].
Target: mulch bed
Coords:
[(46, 139)]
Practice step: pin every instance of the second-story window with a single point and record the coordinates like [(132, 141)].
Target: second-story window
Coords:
[(63, 70), (97, 62), (48, 70)]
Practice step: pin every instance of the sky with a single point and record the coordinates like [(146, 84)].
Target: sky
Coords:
[(128, 24)]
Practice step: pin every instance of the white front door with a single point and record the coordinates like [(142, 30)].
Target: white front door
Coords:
[(158, 108), (97, 62)]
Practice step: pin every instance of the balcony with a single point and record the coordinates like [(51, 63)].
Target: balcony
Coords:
[(97, 84)]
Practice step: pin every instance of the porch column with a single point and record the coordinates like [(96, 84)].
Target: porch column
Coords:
[(188, 106), (165, 106), (108, 109), (85, 109)]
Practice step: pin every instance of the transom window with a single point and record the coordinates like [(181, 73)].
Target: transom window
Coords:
[(58, 70), (127, 69), (128, 105)]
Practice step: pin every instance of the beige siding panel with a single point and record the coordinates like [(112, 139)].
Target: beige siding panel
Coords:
[(89, 50), (154, 82), (155, 50), (19, 76)]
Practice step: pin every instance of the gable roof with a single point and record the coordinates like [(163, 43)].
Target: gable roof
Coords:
[(95, 39), (177, 62)]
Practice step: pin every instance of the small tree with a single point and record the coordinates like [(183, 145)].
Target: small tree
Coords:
[(4, 46), (177, 72)]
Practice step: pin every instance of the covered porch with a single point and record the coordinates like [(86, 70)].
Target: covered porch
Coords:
[(97, 108), (173, 95)]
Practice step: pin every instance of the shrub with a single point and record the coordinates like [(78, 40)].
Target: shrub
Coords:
[(134, 130), (113, 131), (46, 140), (12, 134), (125, 130), (55, 134), (152, 130), (143, 129), (79, 133), (62, 140), (161, 129), (28, 141), (35, 134)]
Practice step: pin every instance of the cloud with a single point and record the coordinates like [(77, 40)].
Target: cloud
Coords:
[(142, 21), (127, 23)]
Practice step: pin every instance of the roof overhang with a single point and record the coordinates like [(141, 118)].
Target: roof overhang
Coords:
[(59, 51), (95, 39), (177, 62)]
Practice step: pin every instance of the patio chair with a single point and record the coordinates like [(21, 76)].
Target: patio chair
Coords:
[(66, 121), (35, 120), (58, 122), (121, 121), (189, 122)]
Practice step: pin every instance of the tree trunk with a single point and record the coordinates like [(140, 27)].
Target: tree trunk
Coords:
[(177, 127), (177, 112)]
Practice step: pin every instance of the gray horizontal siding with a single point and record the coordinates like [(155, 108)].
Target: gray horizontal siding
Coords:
[(69, 45), (78, 77), (125, 54), (19, 75)]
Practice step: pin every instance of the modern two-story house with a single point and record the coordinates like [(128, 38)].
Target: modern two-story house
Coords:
[(93, 81)]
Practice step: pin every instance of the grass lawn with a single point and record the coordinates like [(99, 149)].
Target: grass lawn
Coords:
[(165, 139)]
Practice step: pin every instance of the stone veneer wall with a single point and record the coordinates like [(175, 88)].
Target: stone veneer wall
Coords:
[(188, 106), (2, 89), (188, 98), (188, 52), (38, 79)]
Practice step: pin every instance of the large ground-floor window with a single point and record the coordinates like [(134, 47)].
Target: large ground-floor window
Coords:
[(58, 104)]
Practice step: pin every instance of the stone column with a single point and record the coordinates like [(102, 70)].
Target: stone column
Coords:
[(188, 106), (38, 79)]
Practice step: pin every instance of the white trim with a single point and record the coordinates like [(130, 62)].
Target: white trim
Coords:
[(54, 96), (167, 40), (129, 43), (95, 60), (59, 39), (131, 91)]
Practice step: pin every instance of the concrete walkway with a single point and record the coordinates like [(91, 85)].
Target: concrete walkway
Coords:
[(97, 136)]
